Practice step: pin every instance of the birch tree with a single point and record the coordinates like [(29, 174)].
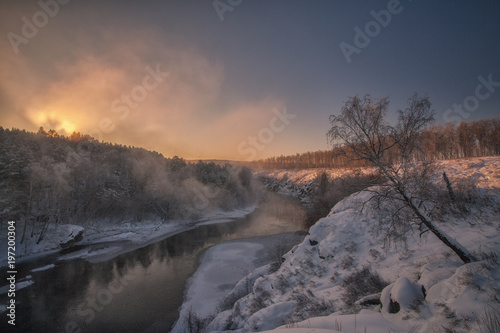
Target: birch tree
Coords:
[(361, 132)]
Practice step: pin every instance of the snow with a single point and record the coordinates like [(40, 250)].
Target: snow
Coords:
[(300, 183), (373, 322), (434, 289), (224, 272), (407, 294), (305, 330), (270, 317), (308, 175), (90, 253), (222, 266), (44, 268)]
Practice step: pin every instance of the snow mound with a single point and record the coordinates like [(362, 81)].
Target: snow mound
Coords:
[(401, 294), (372, 321), (270, 317)]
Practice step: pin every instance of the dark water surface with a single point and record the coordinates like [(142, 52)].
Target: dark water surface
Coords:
[(138, 291)]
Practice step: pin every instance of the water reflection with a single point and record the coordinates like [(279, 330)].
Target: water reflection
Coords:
[(132, 291)]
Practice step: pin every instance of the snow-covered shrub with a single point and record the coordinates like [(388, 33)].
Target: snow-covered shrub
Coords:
[(194, 323), (347, 262), (361, 283), (490, 321), (375, 254), (351, 247), (329, 192)]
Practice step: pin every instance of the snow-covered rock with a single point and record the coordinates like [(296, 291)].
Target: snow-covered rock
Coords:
[(70, 234), (401, 295)]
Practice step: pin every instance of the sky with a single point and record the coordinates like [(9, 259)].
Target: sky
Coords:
[(239, 79)]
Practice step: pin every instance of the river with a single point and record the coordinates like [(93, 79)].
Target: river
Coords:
[(136, 291)]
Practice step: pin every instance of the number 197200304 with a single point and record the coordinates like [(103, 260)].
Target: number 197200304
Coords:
[(11, 250)]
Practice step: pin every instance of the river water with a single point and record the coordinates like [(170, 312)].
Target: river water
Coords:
[(138, 291)]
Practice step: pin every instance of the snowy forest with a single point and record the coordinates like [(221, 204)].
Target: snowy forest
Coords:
[(48, 178), (468, 139)]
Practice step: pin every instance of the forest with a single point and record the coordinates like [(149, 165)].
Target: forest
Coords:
[(468, 139), (48, 178)]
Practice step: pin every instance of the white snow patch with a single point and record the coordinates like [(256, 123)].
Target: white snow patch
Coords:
[(404, 292), (222, 266), (372, 321), (44, 268), (90, 253), (270, 317)]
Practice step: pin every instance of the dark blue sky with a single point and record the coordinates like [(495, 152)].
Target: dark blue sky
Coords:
[(225, 77)]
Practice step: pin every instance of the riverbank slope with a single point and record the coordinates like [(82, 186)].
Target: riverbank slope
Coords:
[(348, 274)]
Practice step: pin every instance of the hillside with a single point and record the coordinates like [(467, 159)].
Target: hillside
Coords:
[(347, 266)]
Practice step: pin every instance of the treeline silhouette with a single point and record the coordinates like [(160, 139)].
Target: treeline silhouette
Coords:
[(48, 178), (468, 139)]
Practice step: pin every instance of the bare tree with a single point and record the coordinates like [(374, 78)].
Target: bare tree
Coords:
[(362, 133)]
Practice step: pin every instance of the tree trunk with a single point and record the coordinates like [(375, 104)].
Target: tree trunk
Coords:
[(449, 187), (461, 251), (465, 255), (42, 232)]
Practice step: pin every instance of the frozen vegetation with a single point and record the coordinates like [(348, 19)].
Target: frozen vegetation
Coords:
[(348, 275), (61, 191)]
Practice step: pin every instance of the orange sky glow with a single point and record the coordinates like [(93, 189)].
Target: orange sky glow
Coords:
[(177, 78)]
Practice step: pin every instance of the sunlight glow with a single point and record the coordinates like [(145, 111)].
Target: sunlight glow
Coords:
[(53, 120)]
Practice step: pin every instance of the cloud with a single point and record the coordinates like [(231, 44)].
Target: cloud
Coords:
[(79, 92), (99, 80)]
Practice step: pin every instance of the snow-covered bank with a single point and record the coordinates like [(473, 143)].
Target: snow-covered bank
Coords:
[(103, 241), (56, 238), (223, 265), (427, 289), (299, 183)]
